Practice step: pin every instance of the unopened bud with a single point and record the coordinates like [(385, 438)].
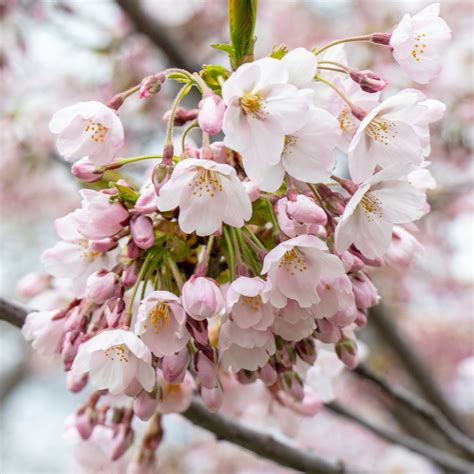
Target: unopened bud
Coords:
[(144, 405), (84, 422), (268, 375), (212, 398), (151, 85), (103, 245), (122, 440), (100, 286), (306, 349), (368, 80), (381, 38), (161, 174), (143, 233), (76, 383), (133, 251), (182, 116), (174, 366), (346, 350), (130, 275), (211, 114), (365, 292), (333, 201), (146, 203), (202, 298), (253, 192), (326, 331), (219, 152), (246, 377), (361, 318), (86, 171)]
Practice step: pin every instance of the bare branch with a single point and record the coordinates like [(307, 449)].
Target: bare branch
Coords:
[(441, 458), (420, 407), (420, 373), (159, 34), (259, 443)]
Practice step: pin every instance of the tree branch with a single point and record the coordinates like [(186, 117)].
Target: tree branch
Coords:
[(259, 443), (159, 34), (412, 363), (441, 458), (420, 407), (262, 444)]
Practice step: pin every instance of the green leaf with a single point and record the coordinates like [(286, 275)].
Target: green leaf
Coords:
[(178, 77), (227, 48), (211, 75), (242, 18), (125, 194), (278, 51)]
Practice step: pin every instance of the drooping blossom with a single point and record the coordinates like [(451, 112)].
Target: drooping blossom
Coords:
[(244, 304), (295, 268), (208, 194), (403, 248), (393, 132), (174, 398), (115, 359), (380, 202), (100, 286), (161, 323), (294, 323), (211, 114), (88, 129), (46, 331), (262, 108), (202, 298), (418, 42)]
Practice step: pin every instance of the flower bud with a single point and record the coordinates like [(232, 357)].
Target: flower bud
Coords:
[(346, 350), (86, 171), (143, 233), (100, 286), (206, 370), (268, 375), (211, 114), (146, 203), (352, 263), (133, 251), (361, 318), (246, 377), (84, 422), (305, 210), (334, 202), (122, 440), (365, 292), (103, 245), (114, 311), (368, 80), (130, 274), (306, 349), (182, 116), (33, 283), (144, 405), (343, 318), (202, 298), (76, 383), (212, 398), (253, 191), (70, 347), (174, 367), (219, 152), (309, 406), (198, 329), (151, 85), (161, 174), (381, 38), (326, 331)]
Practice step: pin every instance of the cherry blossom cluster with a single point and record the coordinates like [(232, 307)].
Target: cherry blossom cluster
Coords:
[(247, 255)]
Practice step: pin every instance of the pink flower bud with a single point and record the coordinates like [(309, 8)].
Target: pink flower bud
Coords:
[(343, 318), (114, 311), (74, 319), (253, 191), (368, 80), (146, 203), (346, 350), (198, 329), (151, 85), (161, 175), (361, 318), (174, 367), (33, 283), (202, 298), (100, 286), (142, 230), (86, 171), (306, 349), (212, 398), (76, 383), (144, 405), (103, 245), (122, 440), (327, 332), (206, 370), (268, 375), (333, 201), (365, 292), (219, 152), (309, 406), (246, 377), (84, 422), (133, 251), (70, 347), (130, 275), (352, 263), (182, 116), (211, 114), (305, 210), (381, 38)]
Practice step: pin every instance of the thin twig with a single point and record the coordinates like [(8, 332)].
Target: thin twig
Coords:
[(420, 407), (438, 456)]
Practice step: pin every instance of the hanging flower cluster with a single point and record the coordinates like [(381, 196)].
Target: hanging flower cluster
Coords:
[(247, 255)]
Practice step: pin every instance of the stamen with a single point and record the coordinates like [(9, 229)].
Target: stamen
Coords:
[(119, 351), (345, 120), (292, 262), (381, 130), (97, 130), (253, 302), (159, 317), (253, 104), (206, 181), (371, 206), (418, 49), (290, 142)]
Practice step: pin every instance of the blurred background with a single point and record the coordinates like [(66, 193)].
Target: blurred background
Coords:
[(56, 53)]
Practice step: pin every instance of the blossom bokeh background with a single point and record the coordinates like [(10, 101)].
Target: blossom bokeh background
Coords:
[(55, 53)]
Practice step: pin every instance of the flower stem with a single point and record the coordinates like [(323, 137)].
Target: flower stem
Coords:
[(230, 248), (336, 89), (125, 161), (341, 41), (174, 271), (254, 238), (333, 63), (190, 127)]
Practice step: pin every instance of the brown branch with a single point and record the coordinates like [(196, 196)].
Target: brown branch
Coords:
[(262, 444), (441, 458), (259, 443), (414, 366), (159, 34), (421, 408)]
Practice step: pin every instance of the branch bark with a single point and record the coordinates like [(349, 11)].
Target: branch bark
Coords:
[(159, 34), (442, 458)]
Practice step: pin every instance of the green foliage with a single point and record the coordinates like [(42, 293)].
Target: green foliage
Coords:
[(213, 75), (278, 51), (242, 18), (125, 194)]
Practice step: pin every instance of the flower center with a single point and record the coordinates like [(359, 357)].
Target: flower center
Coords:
[(119, 352), (97, 130), (89, 255), (371, 206), (290, 142), (381, 131), (346, 123), (252, 302), (293, 262), (419, 47), (159, 317), (253, 104), (207, 182)]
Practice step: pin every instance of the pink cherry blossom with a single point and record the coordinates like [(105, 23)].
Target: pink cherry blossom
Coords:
[(161, 323), (114, 360), (143, 233), (379, 203), (208, 194), (418, 42), (202, 298), (294, 323), (88, 129), (174, 398), (403, 248), (211, 114), (295, 267), (45, 331), (100, 286)]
